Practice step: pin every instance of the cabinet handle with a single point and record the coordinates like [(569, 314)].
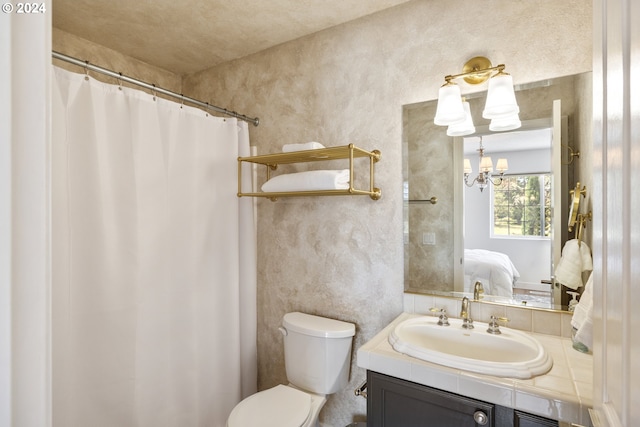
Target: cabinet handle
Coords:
[(480, 418)]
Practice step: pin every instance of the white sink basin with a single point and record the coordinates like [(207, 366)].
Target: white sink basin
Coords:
[(512, 354)]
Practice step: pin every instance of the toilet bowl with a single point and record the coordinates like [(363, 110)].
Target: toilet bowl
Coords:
[(279, 406), (317, 360)]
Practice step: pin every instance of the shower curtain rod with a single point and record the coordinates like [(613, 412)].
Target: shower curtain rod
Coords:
[(86, 65)]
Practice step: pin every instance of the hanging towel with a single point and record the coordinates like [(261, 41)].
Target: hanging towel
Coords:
[(309, 181), (582, 318), (287, 148), (576, 258)]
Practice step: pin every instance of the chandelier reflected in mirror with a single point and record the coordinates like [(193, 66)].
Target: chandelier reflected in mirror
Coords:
[(485, 170)]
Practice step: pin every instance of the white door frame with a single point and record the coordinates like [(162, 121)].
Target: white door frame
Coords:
[(25, 276)]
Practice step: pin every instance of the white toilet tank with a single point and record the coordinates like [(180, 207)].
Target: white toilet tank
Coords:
[(317, 352)]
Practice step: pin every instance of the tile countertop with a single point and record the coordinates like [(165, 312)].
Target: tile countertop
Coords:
[(563, 394)]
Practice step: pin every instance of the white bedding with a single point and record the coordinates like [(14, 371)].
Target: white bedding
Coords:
[(494, 269)]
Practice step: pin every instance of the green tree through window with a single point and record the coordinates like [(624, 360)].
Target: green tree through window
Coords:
[(522, 206)]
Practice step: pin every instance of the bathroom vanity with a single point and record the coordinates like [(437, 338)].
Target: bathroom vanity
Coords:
[(395, 402), (407, 391)]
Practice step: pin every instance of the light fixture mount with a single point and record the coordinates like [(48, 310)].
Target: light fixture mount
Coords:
[(477, 70)]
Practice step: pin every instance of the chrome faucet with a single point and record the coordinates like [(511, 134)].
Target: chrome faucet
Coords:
[(465, 314), (443, 320), (494, 327), (478, 291)]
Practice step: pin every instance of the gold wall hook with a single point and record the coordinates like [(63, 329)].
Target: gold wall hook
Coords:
[(582, 224), (572, 154)]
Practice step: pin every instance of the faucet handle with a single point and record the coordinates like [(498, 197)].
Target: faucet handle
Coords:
[(494, 326), (467, 323), (465, 314), (443, 320)]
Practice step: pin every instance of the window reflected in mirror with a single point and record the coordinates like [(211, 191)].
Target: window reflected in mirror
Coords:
[(521, 206)]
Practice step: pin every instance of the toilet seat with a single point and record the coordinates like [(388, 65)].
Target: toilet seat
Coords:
[(280, 406)]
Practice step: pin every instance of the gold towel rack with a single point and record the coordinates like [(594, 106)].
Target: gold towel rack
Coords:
[(576, 218), (582, 224), (433, 200), (350, 152)]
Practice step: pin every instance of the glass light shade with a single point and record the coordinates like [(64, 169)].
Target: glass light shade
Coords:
[(502, 165), (464, 128), (486, 165), (501, 98), (467, 166), (449, 110), (506, 123)]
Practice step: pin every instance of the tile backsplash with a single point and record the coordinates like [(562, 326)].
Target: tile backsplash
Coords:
[(528, 319)]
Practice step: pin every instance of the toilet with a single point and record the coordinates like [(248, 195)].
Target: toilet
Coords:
[(317, 354)]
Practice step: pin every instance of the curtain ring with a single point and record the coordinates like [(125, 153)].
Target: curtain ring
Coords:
[(207, 110), (86, 70), (181, 100), (120, 81), (153, 91)]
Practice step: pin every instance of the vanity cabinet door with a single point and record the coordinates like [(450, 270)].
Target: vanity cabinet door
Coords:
[(392, 402), (523, 419)]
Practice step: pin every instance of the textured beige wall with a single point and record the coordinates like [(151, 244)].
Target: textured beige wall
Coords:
[(430, 174), (583, 143), (343, 257)]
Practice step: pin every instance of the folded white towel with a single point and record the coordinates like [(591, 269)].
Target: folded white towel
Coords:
[(582, 318), (309, 181), (287, 148), (576, 258)]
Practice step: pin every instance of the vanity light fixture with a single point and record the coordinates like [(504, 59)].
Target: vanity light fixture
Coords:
[(464, 128), (500, 107), (485, 170), (505, 123)]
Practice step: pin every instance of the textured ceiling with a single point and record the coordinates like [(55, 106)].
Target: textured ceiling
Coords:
[(186, 36)]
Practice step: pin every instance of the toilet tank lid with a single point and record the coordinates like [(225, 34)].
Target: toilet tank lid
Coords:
[(317, 326)]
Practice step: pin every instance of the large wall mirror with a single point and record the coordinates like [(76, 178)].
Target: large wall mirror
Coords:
[(456, 234)]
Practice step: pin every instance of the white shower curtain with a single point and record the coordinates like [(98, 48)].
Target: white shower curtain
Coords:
[(153, 261)]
